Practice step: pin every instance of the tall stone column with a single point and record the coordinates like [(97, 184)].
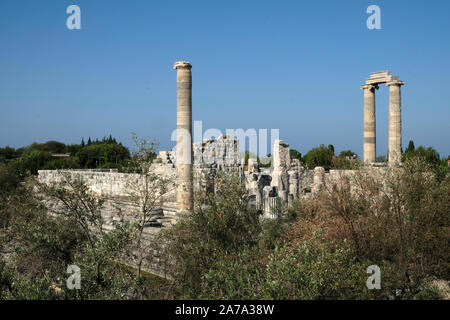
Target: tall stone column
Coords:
[(395, 122), (370, 132), (184, 157)]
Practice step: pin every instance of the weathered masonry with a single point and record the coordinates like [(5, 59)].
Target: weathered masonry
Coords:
[(194, 165), (395, 116)]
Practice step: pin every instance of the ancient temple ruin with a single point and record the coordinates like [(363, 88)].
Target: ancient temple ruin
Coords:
[(193, 166), (285, 181)]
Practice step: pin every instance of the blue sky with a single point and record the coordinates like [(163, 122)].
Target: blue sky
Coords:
[(292, 65)]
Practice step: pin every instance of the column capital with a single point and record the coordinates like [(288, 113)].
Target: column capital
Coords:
[(182, 65), (395, 83), (369, 86)]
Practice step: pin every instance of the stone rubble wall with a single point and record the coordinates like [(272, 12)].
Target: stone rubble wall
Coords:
[(286, 181), (115, 185), (101, 183)]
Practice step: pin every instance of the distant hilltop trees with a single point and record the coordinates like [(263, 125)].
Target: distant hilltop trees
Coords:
[(51, 155), (324, 156), (108, 153)]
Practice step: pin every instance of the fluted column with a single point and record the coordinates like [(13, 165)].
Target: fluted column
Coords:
[(395, 122), (370, 131), (185, 197)]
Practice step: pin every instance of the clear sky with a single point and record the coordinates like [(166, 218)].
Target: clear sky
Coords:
[(292, 65)]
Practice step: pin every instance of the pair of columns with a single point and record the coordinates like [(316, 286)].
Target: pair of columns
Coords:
[(395, 117)]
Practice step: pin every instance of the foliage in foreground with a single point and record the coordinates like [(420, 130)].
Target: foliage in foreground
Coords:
[(318, 249), (397, 220), (38, 242)]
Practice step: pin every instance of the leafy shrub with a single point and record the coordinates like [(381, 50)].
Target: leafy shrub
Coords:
[(398, 219), (314, 270), (319, 157), (221, 225)]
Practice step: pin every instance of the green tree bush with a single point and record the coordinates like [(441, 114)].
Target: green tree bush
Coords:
[(319, 157), (103, 155), (314, 270), (221, 225), (397, 219), (41, 245), (31, 161)]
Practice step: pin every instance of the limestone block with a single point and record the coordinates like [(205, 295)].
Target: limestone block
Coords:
[(319, 179)]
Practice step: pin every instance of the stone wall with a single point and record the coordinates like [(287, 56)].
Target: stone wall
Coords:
[(114, 185), (101, 183), (284, 182)]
